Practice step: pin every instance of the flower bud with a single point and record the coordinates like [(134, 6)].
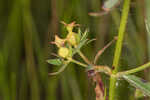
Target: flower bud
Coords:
[(71, 38), (69, 28), (63, 52), (58, 41)]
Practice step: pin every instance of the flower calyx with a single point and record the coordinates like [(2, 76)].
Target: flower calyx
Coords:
[(70, 26), (59, 42)]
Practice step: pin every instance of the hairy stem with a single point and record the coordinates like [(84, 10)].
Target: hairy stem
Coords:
[(84, 58), (140, 68), (118, 49), (77, 62)]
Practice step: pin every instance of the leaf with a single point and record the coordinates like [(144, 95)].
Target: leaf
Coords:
[(82, 42), (61, 69), (79, 46), (138, 83), (90, 41), (79, 33), (85, 34), (110, 4), (56, 62)]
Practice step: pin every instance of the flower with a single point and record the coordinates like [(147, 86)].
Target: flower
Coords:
[(71, 38), (70, 26), (59, 42)]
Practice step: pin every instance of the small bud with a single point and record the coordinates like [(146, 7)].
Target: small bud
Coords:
[(71, 38), (58, 41), (70, 26), (63, 52)]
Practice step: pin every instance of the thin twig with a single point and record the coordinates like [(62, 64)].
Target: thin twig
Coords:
[(77, 62), (84, 58), (102, 50)]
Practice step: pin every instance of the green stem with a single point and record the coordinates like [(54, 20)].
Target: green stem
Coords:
[(121, 35), (118, 49), (140, 68), (84, 58), (77, 62)]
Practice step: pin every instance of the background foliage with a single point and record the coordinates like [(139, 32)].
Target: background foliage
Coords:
[(27, 27)]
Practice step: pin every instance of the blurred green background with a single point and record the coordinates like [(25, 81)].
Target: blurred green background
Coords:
[(27, 27)]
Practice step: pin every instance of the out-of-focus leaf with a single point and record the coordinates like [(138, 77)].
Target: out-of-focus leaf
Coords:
[(138, 83), (110, 4), (139, 94), (56, 62)]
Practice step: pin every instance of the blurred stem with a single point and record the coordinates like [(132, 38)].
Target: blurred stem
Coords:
[(134, 70), (148, 36), (118, 49)]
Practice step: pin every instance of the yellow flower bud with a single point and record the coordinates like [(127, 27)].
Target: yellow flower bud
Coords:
[(69, 28), (63, 52), (71, 38), (58, 41)]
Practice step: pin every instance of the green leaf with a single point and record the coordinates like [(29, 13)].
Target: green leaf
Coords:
[(138, 83), (85, 34), (89, 41), (79, 33), (83, 41), (56, 62), (61, 69), (79, 46)]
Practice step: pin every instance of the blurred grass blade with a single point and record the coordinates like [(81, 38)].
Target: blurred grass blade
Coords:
[(138, 83), (56, 62)]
